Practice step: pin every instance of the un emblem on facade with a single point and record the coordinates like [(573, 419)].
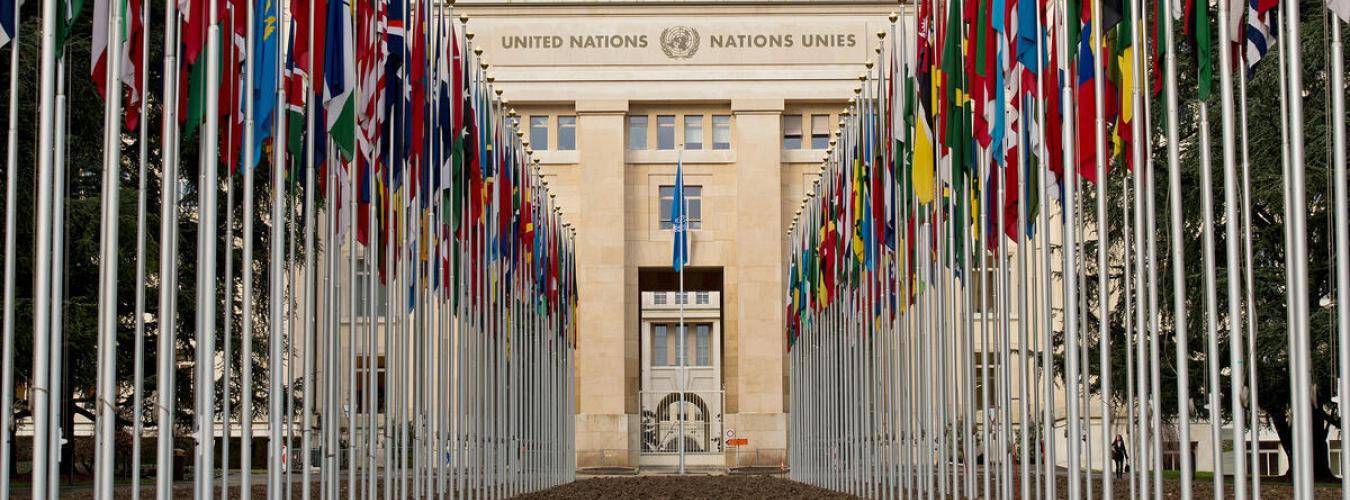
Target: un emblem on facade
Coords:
[(679, 42)]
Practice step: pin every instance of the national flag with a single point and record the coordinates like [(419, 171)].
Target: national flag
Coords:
[(958, 135), (1197, 26), (679, 218), (1054, 111), (1261, 33), (1159, 40), (339, 77), (68, 13), (1086, 104), (925, 164), (133, 62), (266, 50), (1122, 133), (98, 51), (9, 20)]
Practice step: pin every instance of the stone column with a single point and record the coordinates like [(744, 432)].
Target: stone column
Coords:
[(759, 283), (602, 424)]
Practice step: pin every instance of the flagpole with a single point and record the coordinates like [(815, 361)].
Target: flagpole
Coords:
[(1300, 351), (107, 323), (41, 388), (1178, 261), (1047, 360), (1342, 222), (11, 207), (1248, 280), (138, 398), (1070, 287), (1210, 297), (1103, 229), (168, 265), (246, 263), (276, 447), (684, 258), (1139, 143), (353, 316), (227, 320), (1231, 221), (309, 293), (332, 315), (58, 283)]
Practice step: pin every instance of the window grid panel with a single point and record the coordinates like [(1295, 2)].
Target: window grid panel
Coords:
[(665, 132), (693, 132), (659, 356), (567, 133), (792, 131), (702, 342), (637, 132), (539, 133), (820, 131), (721, 133)]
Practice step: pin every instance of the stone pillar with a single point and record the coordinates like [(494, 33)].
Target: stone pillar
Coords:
[(602, 424), (759, 283)]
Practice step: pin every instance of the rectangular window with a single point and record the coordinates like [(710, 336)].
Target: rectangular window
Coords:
[(984, 282), (721, 133), (567, 133), (1268, 457), (701, 344), (361, 373), (665, 132), (681, 298), (701, 298), (539, 133), (659, 351), (659, 298), (637, 132), (693, 206), (820, 131), (792, 131), (363, 291), (983, 361), (693, 131)]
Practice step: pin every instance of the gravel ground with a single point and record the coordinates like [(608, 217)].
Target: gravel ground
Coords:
[(698, 487), (660, 487)]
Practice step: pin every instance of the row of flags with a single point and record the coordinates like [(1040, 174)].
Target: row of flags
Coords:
[(961, 140), (397, 108), (967, 105), (380, 112)]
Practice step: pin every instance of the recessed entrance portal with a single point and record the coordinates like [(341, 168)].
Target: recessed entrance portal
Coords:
[(682, 371)]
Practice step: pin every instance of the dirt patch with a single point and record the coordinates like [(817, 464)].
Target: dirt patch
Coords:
[(731, 487), (661, 487)]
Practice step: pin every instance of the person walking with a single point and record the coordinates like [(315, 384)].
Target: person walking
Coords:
[(1119, 455)]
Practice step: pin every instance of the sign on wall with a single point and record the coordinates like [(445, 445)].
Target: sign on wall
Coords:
[(611, 41)]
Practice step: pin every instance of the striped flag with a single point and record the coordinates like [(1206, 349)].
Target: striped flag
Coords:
[(339, 78), (133, 38), (98, 53), (267, 33), (1261, 34)]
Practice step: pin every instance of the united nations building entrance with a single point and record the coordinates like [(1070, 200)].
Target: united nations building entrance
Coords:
[(662, 404)]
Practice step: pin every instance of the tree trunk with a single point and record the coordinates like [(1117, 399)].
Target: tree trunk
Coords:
[(1321, 460), (1280, 422)]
